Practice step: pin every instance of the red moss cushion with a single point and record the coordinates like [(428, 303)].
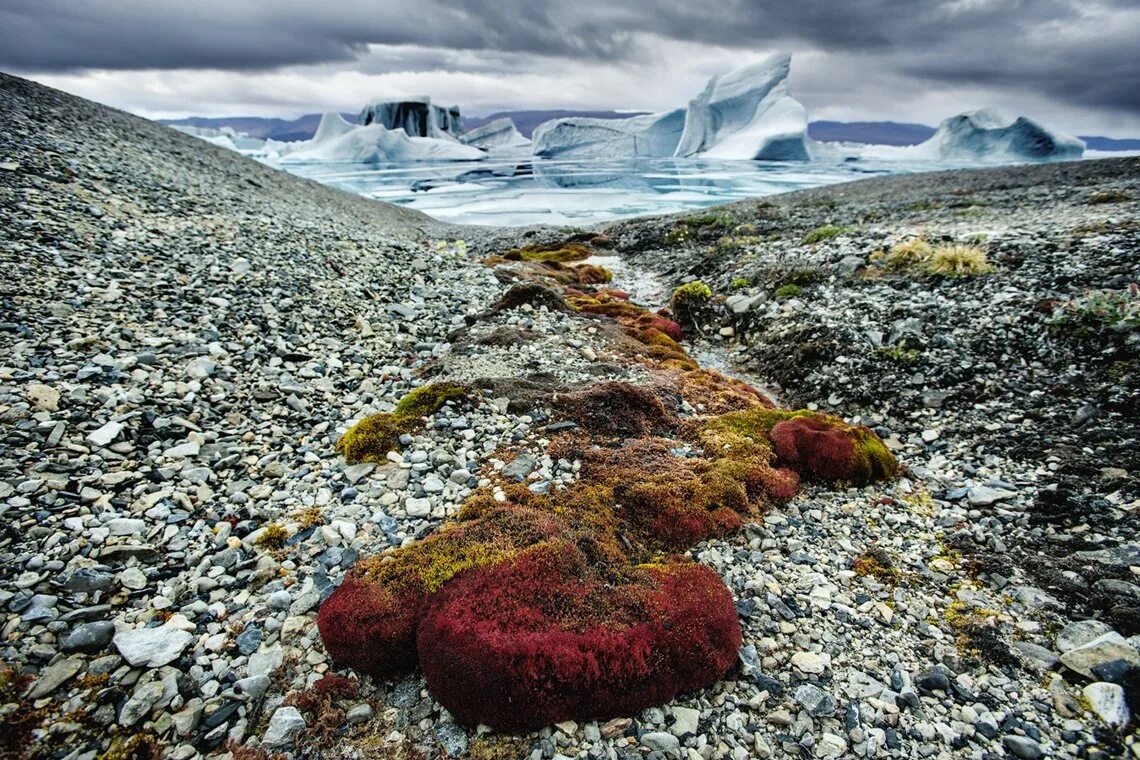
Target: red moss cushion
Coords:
[(366, 627), (537, 639), (828, 449)]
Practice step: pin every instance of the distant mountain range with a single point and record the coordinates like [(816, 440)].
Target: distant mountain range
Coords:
[(871, 132)]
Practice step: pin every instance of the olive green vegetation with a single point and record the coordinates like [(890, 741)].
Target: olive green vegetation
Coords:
[(690, 295), (739, 283), (556, 252), (826, 232), (788, 291), (373, 437)]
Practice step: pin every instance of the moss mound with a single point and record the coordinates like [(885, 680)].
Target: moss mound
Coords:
[(373, 437)]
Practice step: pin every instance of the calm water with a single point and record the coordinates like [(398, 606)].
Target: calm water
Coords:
[(577, 192)]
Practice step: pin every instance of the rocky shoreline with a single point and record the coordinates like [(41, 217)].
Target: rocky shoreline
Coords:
[(187, 334)]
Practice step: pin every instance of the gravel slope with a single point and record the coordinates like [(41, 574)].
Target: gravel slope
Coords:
[(185, 334)]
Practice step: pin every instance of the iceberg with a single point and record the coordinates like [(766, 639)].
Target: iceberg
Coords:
[(375, 143), (990, 135), (224, 137), (747, 114), (418, 117), (332, 126), (649, 136), (500, 133)]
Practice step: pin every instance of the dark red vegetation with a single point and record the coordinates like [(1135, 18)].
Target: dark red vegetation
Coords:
[(617, 409), (828, 449)]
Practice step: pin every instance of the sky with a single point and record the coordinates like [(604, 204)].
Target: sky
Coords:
[(1072, 64)]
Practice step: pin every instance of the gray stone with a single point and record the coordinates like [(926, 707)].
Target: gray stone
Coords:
[(265, 660), (125, 526), (104, 435), (983, 496), (685, 721), (285, 724), (432, 484), (660, 741), (1108, 702), (815, 700), (1023, 747), (358, 714), (249, 640), (1125, 554), (279, 600), (140, 703), (1079, 633), (54, 676), (254, 686), (1122, 588), (417, 507), (1039, 656), (1111, 646), (519, 469), (89, 637), (452, 737), (152, 647)]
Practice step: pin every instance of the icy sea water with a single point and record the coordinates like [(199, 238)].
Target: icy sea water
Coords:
[(578, 192)]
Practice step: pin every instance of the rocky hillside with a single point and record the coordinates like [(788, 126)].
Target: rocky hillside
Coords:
[(186, 336)]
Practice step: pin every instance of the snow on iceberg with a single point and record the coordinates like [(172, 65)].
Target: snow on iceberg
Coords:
[(418, 117), (989, 134), (500, 133), (332, 126), (374, 143), (747, 114), (224, 137), (651, 135)]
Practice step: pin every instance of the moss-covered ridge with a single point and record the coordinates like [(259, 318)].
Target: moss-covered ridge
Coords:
[(530, 608)]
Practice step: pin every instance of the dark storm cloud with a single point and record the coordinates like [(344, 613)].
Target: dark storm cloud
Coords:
[(1078, 52)]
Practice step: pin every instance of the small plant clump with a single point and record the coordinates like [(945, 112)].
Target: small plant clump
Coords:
[(716, 221), (1101, 310), (373, 437), (897, 354), (790, 290), (826, 232), (954, 260), (958, 260), (737, 242), (544, 252), (740, 283), (688, 300), (273, 537)]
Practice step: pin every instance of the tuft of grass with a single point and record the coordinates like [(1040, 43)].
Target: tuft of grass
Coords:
[(790, 290), (737, 242), (897, 354), (803, 276), (826, 232), (1101, 310), (946, 259), (716, 221), (739, 283), (957, 260)]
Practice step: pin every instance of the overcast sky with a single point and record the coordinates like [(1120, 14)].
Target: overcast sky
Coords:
[(1073, 64)]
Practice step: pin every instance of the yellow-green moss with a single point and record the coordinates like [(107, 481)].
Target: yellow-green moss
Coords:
[(690, 295), (373, 437), (560, 252), (826, 232), (273, 537)]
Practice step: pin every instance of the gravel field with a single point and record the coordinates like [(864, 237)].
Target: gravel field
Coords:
[(185, 334)]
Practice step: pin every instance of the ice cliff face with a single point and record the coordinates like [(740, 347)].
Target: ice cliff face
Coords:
[(497, 134), (990, 135), (747, 114), (417, 117), (374, 143), (639, 136)]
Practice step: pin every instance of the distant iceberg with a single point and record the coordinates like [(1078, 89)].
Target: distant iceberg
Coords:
[(649, 136), (418, 117), (987, 135), (747, 114), (374, 143), (991, 135), (497, 134)]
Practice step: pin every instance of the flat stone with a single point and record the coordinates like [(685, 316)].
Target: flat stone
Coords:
[(89, 637), (1111, 646), (417, 507), (809, 662), (1125, 554), (660, 741), (815, 700), (685, 721), (54, 676), (1039, 656), (452, 737), (43, 396), (1079, 633), (140, 703), (152, 647), (285, 724), (265, 660), (125, 526), (1023, 747), (519, 469), (358, 714), (1108, 702), (983, 496), (104, 435)]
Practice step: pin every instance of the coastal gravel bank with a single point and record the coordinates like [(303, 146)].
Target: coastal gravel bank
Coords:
[(185, 334)]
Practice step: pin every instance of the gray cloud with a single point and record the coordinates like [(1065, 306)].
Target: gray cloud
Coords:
[(1077, 53)]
